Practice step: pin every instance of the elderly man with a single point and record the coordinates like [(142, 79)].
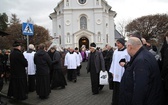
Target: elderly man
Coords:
[(141, 82), (94, 65)]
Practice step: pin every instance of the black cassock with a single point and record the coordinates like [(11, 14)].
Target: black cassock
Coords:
[(18, 81)]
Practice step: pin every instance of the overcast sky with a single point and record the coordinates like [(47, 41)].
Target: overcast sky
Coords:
[(39, 10)]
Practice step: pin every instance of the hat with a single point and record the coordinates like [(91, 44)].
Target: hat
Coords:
[(76, 48), (93, 44), (122, 41), (16, 43)]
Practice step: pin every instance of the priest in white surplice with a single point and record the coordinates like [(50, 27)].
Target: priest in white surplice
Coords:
[(31, 69), (72, 62), (117, 71)]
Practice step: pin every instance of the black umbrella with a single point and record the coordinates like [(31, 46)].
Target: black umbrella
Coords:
[(3, 33)]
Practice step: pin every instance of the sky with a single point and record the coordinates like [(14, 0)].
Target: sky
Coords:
[(39, 10)]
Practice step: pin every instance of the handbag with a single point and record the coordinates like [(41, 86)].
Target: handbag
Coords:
[(103, 78)]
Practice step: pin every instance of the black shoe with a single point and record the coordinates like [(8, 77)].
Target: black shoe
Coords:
[(43, 97), (62, 87), (100, 88), (95, 93), (74, 81)]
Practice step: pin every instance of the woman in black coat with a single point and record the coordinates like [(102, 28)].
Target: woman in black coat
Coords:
[(43, 63), (18, 80)]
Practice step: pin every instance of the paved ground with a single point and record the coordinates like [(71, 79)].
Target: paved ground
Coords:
[(78, 93)]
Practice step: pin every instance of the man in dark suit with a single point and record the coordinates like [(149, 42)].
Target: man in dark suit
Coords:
[(95, 64), (141, 81)]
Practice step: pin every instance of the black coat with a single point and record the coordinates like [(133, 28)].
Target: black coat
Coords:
[(58, 76), (43, 62), (57, 60), (108, 59), (18, 80), (18, 63), (141, 81), (98, 62), (164, 71)]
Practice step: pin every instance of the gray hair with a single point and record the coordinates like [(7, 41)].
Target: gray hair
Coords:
[(31, 46)]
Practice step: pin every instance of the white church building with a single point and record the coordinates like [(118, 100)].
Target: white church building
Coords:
[(81, 22)]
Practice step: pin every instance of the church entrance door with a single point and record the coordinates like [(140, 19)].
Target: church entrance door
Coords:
[(84, 41)]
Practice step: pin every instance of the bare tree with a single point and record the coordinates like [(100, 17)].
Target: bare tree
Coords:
[(30, 20), (150, 26), (121, 27)]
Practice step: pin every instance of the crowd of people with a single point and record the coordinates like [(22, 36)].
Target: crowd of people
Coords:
[(138, 73), (38, 69)]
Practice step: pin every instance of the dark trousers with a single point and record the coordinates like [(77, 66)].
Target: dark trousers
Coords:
[(115, 98), (72, 75), (31, 83), (111, 83), (95, 81), (78, 70)]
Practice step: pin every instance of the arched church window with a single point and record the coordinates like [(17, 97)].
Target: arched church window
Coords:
[(59, 26), (83, 22), (60, 40), (67, 2), (99, 37), (106, 38), (97, 2), (68, 37)]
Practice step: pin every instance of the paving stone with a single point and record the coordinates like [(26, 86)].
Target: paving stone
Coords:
[(78, 93)]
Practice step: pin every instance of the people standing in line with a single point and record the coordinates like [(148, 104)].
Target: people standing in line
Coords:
[(51, 54), (141, 81), (58, 80), (117, 71), (18, 81), (164, 66), (108, 60), (79, 59), (71, 62), (43, 63), (31, 69), (94, 66)]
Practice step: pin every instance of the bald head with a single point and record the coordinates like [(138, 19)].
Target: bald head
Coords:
[(133, 45), (134, 41)]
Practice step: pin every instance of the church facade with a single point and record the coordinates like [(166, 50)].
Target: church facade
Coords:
[(81, 22)]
